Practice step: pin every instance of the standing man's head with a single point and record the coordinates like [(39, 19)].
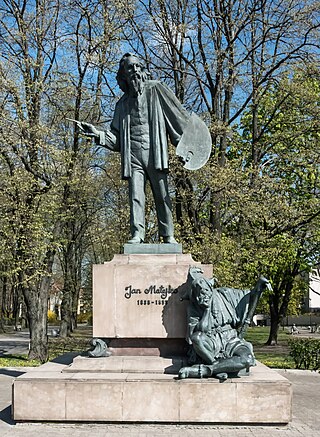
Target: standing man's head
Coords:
[(131, 74)]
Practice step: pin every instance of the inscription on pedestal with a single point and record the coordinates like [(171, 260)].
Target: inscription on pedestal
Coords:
[(156, 295), (138, 296)]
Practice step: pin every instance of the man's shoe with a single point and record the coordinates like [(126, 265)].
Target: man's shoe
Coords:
[(169, 240), (135, 240)]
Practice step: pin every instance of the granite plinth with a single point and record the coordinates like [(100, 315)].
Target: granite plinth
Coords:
[(103, 393), (138, 296), (152, 249)]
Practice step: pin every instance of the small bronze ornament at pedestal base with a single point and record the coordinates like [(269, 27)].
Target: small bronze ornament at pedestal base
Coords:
[(100, 349)]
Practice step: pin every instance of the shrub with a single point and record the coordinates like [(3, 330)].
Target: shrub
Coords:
[(305, 353), (84, 317), (52, 316)]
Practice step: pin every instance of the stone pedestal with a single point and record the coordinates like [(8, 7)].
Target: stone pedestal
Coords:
[(137, 309), (137, 304), (145, 389)]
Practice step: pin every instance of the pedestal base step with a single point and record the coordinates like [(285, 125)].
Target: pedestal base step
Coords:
[(126, 364), (111, 390)]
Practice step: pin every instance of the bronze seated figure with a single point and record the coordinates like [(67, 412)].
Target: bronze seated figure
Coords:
[(217, 321)]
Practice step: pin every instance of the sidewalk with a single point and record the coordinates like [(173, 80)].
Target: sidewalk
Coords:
[(16, 343), (305, 423)]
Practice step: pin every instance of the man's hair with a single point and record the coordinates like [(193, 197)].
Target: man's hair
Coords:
[(123, 84), (196, 287)]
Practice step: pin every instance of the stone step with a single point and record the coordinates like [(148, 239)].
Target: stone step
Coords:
[(126, 364)]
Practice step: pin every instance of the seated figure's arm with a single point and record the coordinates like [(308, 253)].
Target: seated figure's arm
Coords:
[(204, 324), (192, 323)]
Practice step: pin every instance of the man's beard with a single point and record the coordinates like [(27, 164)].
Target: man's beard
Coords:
[(136, 82)]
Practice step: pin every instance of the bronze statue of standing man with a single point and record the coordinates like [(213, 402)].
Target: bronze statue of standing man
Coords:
[(145, 116)]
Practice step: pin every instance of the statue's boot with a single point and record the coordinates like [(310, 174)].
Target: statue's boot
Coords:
[(195, 371), (221, 376), (232, 365), (219, 369), (136, 239), (170, 240)]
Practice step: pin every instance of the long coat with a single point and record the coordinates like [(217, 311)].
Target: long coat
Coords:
[(167, 117), (228, 310)]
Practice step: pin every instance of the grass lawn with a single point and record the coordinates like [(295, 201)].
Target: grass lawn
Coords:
[(273, 356), (79, 342), (260, 334), (17, 361)]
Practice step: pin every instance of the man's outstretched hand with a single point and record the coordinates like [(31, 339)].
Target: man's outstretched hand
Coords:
[(89, 130), (86, 128)]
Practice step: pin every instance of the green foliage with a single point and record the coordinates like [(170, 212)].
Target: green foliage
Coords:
[(305, 353), (279, 206), (84, 317), (52, 317)]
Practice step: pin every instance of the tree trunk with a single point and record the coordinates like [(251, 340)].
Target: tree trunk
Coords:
[(37, 317), (37, 308), (280, 298), (273, 334), (66, 313), (69, 295), (275, 322), (36, 300), (2, 295), (69, 306), (75, 302)]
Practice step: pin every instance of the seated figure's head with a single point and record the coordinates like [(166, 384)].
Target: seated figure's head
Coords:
[(202, 292)]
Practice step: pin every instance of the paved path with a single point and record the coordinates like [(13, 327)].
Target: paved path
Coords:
[(14, 343)]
